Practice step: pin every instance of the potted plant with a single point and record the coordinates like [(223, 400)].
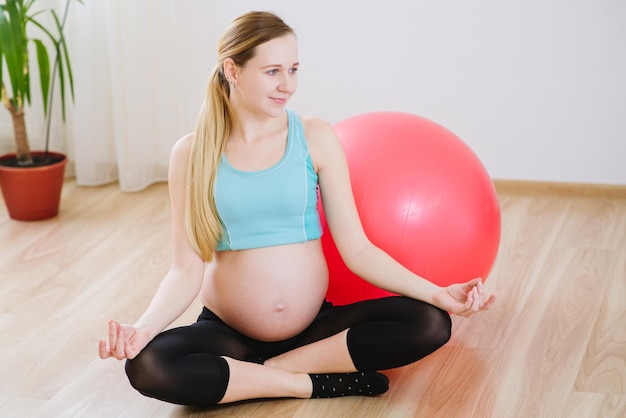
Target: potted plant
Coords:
[(31, 181)]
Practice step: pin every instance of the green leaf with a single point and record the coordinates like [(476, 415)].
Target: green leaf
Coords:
[(44, 72), (12, 40), (1, 49), (61, 83), (45, 30), (55, 42), (65, 55)]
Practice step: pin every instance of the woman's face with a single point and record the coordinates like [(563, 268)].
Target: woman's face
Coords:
[(269, 79)]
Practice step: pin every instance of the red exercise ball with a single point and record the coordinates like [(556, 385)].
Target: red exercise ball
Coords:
[(423, 197)]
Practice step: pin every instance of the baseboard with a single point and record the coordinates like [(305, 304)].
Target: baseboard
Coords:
[(563, 189)]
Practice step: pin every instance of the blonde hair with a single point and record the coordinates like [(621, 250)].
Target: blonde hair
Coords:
[(215, 121)]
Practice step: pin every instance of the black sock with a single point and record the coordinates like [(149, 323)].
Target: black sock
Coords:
[(334, 385)]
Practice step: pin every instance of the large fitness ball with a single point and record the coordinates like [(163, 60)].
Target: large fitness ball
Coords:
[(423, 197)]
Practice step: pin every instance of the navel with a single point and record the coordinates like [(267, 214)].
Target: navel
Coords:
[(280, 307)]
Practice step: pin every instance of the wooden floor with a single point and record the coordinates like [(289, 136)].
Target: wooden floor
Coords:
[(554, 345)]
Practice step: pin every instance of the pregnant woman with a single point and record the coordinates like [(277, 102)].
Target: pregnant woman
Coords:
[(246, 238)]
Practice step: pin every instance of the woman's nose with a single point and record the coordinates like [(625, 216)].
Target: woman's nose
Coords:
[(288, 82)]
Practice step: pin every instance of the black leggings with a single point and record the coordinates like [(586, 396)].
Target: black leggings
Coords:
[(185, 365)]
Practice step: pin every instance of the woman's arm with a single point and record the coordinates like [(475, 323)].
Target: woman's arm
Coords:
[(180, 285), (182, 282), (360, 255)]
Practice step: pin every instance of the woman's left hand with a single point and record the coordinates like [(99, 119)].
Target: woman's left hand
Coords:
[(464, 299)]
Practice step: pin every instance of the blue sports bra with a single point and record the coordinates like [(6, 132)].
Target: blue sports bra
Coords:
[(269, 207)]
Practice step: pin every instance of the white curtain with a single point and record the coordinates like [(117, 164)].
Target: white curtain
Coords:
[(139, 82)]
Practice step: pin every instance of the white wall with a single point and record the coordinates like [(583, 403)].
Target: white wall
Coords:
[(536, 88)]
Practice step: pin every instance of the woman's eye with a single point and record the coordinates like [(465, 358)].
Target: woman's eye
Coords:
[(273, 72), (293, 70)]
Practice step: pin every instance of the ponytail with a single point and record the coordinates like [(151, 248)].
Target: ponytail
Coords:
[(214, 123)]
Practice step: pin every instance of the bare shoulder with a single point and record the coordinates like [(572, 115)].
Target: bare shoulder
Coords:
[(316, 128), (320, 136), (183, 145), (322, 141), (179, 157), (181, 150)]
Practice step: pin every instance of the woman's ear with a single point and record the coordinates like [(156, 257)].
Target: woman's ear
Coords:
[(230, 70)]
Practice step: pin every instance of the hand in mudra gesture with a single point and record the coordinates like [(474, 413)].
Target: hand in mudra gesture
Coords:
[(125, 341), (464, 299)]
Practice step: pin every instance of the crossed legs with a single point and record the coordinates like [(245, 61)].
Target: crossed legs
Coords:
[(208, 362)]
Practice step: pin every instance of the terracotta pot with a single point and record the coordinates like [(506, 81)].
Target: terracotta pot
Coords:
[(33, 193)]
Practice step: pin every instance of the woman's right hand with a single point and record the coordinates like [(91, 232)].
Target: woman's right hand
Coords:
[(125, 341)]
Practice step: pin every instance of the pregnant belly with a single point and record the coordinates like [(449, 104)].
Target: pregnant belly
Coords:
[(268, 294)]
